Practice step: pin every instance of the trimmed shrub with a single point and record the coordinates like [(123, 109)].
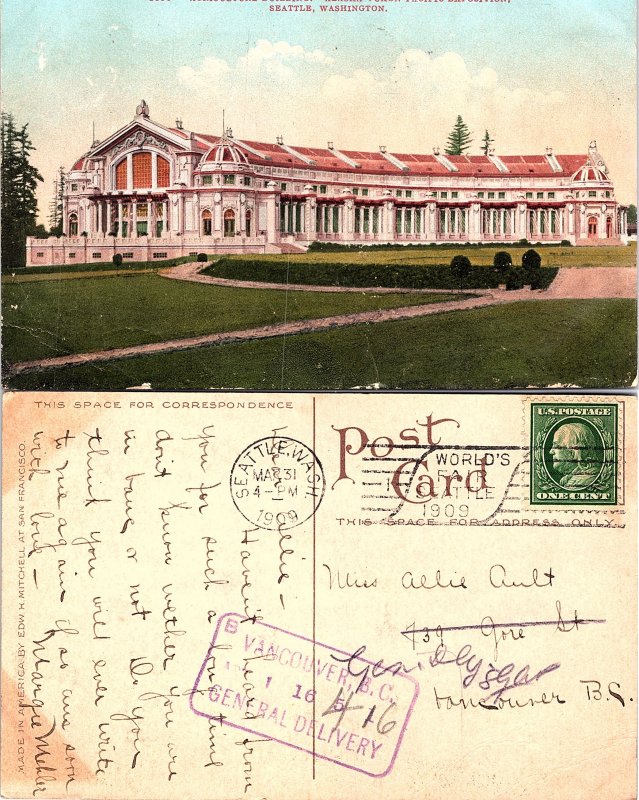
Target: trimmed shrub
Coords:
[(460, 262), (531, 260), (202, 257), (117, 259), (502, 260), (461, 267), (565, 243), (336, 273), (514, 280), (536, 279)]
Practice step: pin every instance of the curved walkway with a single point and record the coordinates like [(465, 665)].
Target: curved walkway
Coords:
[(571, 283), (604, 282), (192, 272), (593, 283)]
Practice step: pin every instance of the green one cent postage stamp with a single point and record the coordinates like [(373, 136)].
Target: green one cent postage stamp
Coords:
[(573, 454)]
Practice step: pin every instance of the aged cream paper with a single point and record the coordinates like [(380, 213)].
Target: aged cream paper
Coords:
[(297, 596)]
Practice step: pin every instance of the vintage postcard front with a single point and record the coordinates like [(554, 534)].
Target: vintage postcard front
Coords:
[(298, 596), (319, 194)]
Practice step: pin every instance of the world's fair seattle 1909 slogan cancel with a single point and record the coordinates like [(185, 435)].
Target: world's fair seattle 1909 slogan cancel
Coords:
[(207, 596)]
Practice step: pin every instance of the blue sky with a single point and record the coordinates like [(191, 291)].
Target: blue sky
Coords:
[(557, 72)]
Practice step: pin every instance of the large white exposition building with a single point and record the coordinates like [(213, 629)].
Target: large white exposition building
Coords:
[(153, 192)]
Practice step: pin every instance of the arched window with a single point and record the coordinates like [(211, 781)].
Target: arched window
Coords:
[(248, 223), (142, 170), (229, 222), (120, 175), (609, 231), (163, 173), (73, 224), (206, 223), (592, 227)]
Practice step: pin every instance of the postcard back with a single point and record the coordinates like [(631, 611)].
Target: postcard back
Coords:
[(298, 596)]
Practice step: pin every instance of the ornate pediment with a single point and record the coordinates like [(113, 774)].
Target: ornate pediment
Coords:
[(139, 139)]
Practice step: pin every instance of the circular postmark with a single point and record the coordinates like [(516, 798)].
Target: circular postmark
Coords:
[(277, 483)]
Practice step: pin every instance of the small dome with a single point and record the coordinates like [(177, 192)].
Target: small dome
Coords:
[(590, 174), (226, 153)]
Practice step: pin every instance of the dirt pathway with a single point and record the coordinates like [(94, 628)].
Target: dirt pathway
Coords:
[(593, 283), (571, 283), (191, 272)]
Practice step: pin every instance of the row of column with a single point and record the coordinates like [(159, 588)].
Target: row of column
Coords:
[(110, 215), (330, 218), (293, 217), (345, 218), (369, 220), (545, 222)]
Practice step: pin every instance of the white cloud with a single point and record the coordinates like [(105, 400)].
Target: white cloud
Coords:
[(280, 59), (265, 61), (210, 72)]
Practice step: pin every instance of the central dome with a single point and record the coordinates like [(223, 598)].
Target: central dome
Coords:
[(227, 153), (589, 174)]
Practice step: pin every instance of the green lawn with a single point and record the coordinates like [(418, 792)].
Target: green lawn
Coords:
[(589, 343), (550, 256), (58, 317)]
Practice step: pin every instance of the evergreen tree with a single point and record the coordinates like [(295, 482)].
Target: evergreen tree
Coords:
[(486, 142), (459, 138), (19, 205), (57, 204), (632, 214)]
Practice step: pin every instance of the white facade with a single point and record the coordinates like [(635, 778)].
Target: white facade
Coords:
[(151, 192)]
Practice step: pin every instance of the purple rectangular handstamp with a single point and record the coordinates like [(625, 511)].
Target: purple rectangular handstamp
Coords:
[(259, 679)]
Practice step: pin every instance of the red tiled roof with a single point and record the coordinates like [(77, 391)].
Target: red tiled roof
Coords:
[(178, 132), (418, 164), (374, 162)]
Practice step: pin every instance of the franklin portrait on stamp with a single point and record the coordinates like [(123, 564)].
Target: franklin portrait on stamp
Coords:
[(576, 457)]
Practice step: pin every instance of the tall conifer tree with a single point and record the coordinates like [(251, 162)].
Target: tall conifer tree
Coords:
[(486, 143), (459, 138), (19, 182)]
